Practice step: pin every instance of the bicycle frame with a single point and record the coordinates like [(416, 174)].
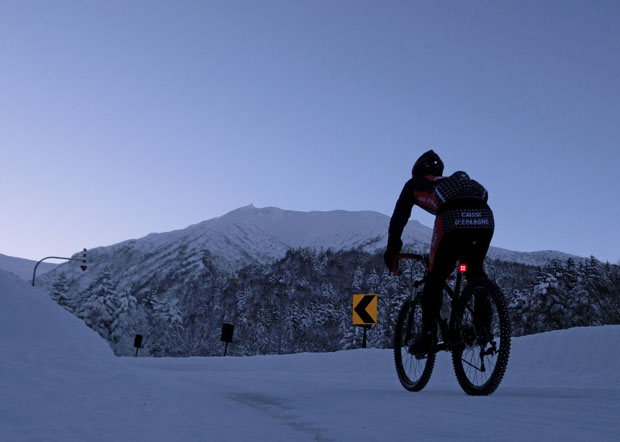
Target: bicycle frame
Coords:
[(451, 328)]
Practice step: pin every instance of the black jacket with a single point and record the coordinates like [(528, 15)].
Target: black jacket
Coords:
[(437, 194)]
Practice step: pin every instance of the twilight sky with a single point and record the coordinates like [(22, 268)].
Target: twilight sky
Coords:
[(119, 118)]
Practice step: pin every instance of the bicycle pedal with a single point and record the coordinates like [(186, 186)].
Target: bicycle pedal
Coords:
[(424, 355)]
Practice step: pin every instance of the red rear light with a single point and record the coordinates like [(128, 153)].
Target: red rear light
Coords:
[(463, 268)]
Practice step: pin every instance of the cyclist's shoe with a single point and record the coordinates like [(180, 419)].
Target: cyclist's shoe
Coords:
[(423, 344)]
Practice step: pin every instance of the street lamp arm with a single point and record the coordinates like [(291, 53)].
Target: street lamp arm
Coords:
[(50, 257)]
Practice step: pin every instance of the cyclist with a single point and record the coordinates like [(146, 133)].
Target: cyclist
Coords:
[(463, 229)]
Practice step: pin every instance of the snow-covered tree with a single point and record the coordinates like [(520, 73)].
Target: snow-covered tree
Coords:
[(167, 327), (547, 302), (522, 313), (327, 290), (321, 265), (123, 315), (352, 336), (60, 292), (358, 279), (169, 314), (374, 282), (97, 310)]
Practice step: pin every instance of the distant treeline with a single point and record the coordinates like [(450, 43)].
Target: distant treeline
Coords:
[(303, 302)]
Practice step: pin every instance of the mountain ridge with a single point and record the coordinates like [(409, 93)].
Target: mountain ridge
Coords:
[(251, 235), (414, 232)]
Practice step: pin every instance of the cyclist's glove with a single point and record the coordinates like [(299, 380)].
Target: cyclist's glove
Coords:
[(393, 248)]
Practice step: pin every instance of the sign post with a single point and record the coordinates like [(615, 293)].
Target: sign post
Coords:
[(364, 312), (227, 334), (137, 342), (365, 327)]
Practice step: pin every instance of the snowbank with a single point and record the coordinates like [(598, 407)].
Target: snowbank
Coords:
[(31, 323), (580, 356)]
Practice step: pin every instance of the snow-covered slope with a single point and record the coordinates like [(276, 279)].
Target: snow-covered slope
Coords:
[(538, 258), (23, 267), (264, 234), (60, 382), (32, 324), (267, 233), (252, 235), (244, 236)]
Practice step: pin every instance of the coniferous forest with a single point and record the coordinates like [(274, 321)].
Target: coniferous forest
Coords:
[(303, 303)]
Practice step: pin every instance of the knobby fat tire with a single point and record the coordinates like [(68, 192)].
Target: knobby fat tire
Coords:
[(408, 308), (497, 298)]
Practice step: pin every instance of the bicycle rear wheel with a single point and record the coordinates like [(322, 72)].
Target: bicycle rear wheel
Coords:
[(480, 360), (413, 373)]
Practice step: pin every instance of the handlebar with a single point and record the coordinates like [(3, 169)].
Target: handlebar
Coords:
[(406, 256)]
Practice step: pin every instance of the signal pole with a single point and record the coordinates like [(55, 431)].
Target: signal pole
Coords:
[(83, 266)]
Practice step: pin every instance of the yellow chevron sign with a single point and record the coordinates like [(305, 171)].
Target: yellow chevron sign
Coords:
[(364, 309)]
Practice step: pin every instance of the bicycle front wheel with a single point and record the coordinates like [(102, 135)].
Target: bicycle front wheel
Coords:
[(413, 373), (480, 360)]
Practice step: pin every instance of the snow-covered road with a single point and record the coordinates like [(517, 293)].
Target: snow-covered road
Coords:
[(355, 396), (60, 382)]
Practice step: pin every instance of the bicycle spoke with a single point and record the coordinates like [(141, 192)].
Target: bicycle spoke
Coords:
[(471, 365)]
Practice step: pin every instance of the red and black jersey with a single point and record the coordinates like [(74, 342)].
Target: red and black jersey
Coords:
[(449, 198)]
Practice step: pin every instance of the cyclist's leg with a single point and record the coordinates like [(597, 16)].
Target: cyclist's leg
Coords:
[(438, 271), (442, 260), (474, 251)]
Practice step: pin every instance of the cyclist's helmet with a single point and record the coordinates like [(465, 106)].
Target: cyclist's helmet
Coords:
[(429, 163)]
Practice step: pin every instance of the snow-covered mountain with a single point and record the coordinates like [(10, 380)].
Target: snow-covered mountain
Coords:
[(248, 233), (23, 267), (258, 235), (538, 258)]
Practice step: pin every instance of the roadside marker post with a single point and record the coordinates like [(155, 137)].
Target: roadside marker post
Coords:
[(137, 342), (227, 334), (365, 312)]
